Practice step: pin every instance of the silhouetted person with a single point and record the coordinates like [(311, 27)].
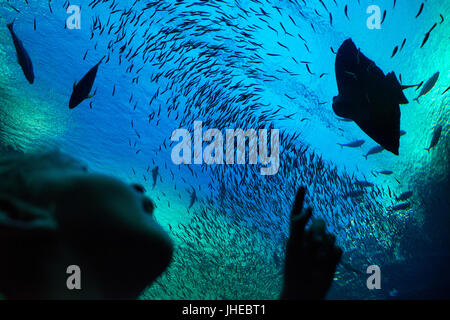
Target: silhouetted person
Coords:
[(54, 214), (311, 256)]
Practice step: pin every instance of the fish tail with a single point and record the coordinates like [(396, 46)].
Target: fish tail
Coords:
[(417, 99), (365, 156), (428, 149), (342, 146)]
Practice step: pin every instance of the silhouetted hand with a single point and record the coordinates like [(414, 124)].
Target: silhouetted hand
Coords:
[(311, 256)]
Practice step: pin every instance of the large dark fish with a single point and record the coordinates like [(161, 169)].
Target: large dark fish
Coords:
[(368, 96), (428, 85), (436, 135), (22, 56), (82, 89)]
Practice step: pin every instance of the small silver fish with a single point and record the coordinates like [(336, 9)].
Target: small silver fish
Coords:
[(436, 135), (353, 144), (428, 86)]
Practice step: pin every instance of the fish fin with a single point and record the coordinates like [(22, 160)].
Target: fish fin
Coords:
[(409, 86), (11, 25), (91, 96)]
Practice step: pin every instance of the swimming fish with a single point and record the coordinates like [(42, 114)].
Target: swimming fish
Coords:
[(353, 144), (23, 58), (374, 150), (420, 10), (82, 89), (193, 198), (427, 35), (428, 86), (436, 135), (368, 96), (394, 52), (155, 173), (445, 91)]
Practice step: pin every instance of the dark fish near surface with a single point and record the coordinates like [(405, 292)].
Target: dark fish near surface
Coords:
[(22, 56), (427, 35), (386, 172), (82, 89), (384, 16), (353, 144), (405, 196), (428, 86), (401, 206), (374, 150), (394, 52), (445, 91), (368, 96), (436, 135), (403, 44), (155, 172), (193, 198), (420, 10)]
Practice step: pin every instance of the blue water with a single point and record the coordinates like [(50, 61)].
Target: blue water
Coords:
[(230, 243)]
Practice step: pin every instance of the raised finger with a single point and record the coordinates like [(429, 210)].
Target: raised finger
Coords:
[(298, 203)]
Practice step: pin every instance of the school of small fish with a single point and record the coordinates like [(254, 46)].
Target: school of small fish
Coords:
[(207, 62)]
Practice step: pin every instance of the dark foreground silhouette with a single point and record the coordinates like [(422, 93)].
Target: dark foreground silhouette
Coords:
[(54, 213)]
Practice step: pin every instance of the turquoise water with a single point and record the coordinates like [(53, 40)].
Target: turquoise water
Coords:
[(230, 243)]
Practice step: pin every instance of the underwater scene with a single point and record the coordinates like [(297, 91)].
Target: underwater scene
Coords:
[(348, 98)]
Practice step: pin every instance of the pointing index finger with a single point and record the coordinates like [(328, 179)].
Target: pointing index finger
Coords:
[(298, 203)]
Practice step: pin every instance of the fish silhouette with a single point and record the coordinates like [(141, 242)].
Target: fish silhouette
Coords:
[(368, 96), (23, 58), (82, 89)]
